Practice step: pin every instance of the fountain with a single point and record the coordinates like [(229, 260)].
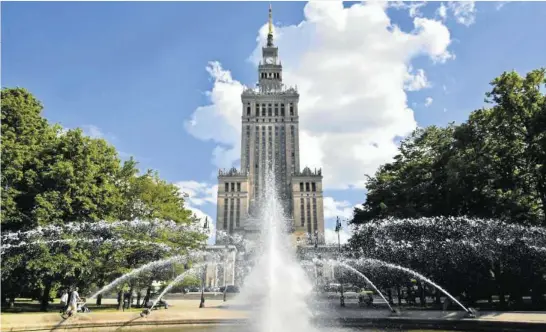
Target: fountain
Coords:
[(414, 273), (277, 287)]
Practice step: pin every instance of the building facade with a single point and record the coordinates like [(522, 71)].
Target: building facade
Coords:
[(270, 143)]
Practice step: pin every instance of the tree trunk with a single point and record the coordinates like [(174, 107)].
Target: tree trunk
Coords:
[(438, 299), (421, 291), (99, 299), (498, 281), (120, 300), (389, 294), (12, 302), (138, 297), (148, 295), (44, 303), (130, 299), (398, 295), (537, 291)]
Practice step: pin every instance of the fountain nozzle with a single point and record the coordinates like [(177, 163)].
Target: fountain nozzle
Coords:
[(471, 313), (145, 312)]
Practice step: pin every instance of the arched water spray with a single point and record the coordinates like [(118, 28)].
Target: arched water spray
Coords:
[(412, 272), (143, 268), (366, 279), (176, 280)]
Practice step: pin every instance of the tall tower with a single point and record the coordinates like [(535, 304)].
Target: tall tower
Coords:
[(270, 141)]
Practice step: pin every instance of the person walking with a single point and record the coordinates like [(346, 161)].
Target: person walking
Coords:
[(72, 303), (64, 301)]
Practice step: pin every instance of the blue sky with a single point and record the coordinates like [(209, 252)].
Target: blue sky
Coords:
[(134, 72)]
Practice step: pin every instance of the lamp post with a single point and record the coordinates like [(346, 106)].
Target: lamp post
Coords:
[(338, 230), (225, 271), (202, 303)]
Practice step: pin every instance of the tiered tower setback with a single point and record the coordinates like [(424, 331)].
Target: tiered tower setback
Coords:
[(270, 141)]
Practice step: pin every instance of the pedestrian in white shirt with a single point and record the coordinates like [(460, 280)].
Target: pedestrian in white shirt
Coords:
[(64, 301), (73, 302)]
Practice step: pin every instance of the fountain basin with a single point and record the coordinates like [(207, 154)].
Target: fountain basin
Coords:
[(185, 314)]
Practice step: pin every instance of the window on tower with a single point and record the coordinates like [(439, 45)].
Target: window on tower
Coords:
[(313, 186), (239, 186), (276, 109), (225, 213), (248, 110), (306, 186), (291, 109), (257, 109), (233, 186), (302, 212), (227, 187), (282, 109), (269, 110), (301, 186)]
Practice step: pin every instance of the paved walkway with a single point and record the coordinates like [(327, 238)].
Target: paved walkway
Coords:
[(188, 312)]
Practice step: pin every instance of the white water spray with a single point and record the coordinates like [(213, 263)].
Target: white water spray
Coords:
[(277, 288), (414, 273), (366, 279)]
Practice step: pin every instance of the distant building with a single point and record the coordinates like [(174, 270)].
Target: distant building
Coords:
[(270, 141)]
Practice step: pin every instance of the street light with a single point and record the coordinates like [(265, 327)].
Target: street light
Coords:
[(225, 270), (202, 303), (338, 230)]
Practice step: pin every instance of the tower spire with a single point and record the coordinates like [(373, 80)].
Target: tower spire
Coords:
[(270, 25)]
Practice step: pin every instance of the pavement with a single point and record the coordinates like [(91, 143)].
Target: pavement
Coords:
[(187, 312)]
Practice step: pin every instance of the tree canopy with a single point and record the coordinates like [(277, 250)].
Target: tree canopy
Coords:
[(55, 181), (466, 204), (490, 166)]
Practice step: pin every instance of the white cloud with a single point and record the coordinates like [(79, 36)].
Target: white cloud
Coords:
[(333, 208), (330, 236), (197, 194), (442, 11), (501, 4), (202, 216), (463, 11), (220, 121), (351, 66), (92, 131), (412, 7), (428, 101), (415, 82), (95, 132)]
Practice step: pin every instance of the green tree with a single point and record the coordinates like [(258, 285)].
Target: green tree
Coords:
[(491, 166), (25, 133), (54, 177)]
